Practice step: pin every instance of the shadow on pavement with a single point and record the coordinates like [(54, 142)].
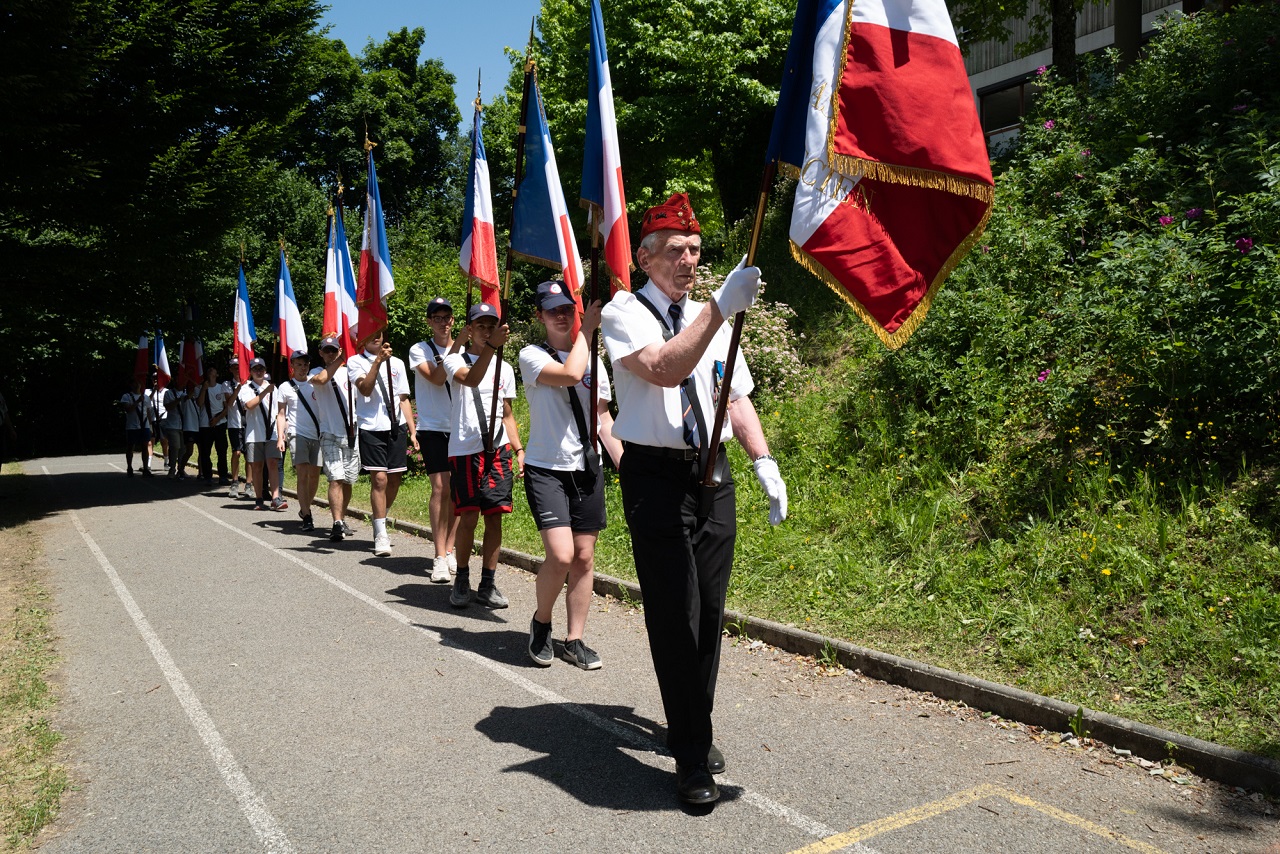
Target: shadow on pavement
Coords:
[(588, 763)]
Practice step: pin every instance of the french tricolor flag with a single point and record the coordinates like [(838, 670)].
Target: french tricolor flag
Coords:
[(877, 123), (540, 230), (243, 334), (163, 374), (341, 316), (602, 191), (142, 360), (190, 361), (479, 256), (288, 318), (374, 284)]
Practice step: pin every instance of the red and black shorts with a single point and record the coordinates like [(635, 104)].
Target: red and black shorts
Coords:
[(482, 482)]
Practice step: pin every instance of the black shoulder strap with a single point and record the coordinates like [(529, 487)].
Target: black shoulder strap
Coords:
[(486, 427), (268, 420), (393, 414), (667, 333), (305, 405), (579, 417), (435, 351)]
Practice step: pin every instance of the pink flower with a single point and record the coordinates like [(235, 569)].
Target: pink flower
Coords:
[(1166, 220), (1239, 108), (985, 249), (1194, 213), (1085, 153), (1042, 70), (1048, 125), (1044, 375), (1245, 245)]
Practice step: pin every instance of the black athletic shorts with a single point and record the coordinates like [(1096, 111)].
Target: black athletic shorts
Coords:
[(235, 438), (482, 482), (435, 450), (560, 499), (379, 452)]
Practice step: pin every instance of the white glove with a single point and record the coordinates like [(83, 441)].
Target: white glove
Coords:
[(774, 487), (738, 293)]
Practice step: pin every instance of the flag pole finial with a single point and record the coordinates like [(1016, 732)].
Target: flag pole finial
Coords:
[(477, 100), (369, 144), (529, 63)]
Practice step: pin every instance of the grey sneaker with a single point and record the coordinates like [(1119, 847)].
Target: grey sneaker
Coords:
[(347, 529), (540, 649), (460, 597), (578, 653), (490, 596)]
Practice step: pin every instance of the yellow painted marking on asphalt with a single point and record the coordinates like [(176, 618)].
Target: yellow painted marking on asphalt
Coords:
[(952, 802)]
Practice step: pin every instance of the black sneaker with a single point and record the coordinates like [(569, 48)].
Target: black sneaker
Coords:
[(460, 597), (307, 524), (540, 649), (578, 653), (335, 533), (490, 596)]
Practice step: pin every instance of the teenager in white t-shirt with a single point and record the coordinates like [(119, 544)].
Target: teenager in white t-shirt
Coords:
[(563, 478), (212, 403), (481, 479), (135, 404), (338, 447), (298, 426), (433, 394), (259, 398), (386, 421), (235, 426)]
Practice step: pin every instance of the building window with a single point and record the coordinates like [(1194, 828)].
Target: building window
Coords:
[(1003, 109)]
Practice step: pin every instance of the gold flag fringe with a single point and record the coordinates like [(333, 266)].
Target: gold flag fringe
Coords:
[(887, 173), (541, 262), (892, 340)]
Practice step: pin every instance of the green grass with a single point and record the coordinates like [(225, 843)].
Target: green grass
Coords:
[(33, 782), (1128, 596)]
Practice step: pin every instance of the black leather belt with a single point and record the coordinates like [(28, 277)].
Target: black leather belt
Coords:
[(666, 453)]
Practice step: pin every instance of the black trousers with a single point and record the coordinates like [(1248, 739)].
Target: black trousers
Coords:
[(211, 438), (683, 565)]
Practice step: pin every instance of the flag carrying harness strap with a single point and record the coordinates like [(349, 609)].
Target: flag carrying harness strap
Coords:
[(488, 428), (435, 351), (579, 418), (695, 434), (342, 410), (268, 423), (305, 405), (393, 415)]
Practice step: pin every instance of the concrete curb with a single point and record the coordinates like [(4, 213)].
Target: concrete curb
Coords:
[(1214, 761)]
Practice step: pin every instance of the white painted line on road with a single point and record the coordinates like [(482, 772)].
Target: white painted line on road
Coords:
[(259, 817), (796, 819)]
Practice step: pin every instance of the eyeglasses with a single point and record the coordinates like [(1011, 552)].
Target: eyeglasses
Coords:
[(559, 311), (436, 318)]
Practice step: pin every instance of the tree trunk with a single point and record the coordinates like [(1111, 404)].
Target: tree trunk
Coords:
[(1064, 39), (1128, 30)]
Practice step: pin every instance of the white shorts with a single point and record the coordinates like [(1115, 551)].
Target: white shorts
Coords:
[(304, 451), (341, 463)]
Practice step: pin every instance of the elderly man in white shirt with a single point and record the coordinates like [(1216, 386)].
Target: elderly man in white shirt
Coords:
[(668, 355)]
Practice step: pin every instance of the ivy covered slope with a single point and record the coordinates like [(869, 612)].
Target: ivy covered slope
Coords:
[(1067, 479)]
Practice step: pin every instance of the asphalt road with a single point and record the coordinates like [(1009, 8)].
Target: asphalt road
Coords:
[(232, 684)]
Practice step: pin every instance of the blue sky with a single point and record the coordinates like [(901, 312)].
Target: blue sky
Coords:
[(466, 34)]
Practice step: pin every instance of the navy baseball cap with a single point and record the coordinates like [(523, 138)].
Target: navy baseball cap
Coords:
[(553, 294), (257, 363), (329, 342), (298, 354), (481, 309), (439, 304)]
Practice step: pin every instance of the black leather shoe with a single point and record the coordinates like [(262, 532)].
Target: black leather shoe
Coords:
[(694, 784), (715, 760)]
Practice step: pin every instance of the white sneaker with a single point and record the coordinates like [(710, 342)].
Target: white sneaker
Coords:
[(440, 571), (453, 564), (382, 546), (234, 492)]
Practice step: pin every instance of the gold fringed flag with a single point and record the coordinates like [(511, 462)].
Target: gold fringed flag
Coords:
[(877, 123)]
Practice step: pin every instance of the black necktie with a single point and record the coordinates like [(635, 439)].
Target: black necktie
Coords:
[(688, 393)]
